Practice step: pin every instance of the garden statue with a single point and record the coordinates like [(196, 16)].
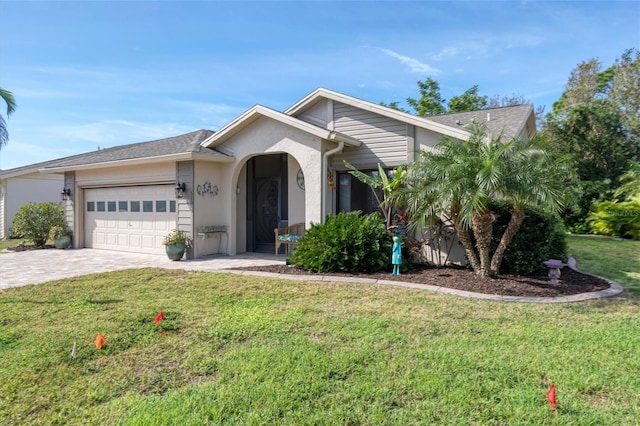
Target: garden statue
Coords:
[(396, 255)]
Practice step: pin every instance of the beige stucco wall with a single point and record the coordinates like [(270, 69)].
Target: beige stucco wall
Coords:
[(209, 209), (267, 136), (424, 140), (18, 191)]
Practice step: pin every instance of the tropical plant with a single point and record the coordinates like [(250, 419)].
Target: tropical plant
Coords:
[(177, 237), (630, 187), (35, 220), (391, 199), (459, 178), (616, 219), (8, 98)]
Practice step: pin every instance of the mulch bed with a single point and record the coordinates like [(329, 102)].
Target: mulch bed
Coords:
[(537, 285), (26, 247)]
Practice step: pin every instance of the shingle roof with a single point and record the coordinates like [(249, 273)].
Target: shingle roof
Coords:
[(23, 170), (508, 120), (187, 143)]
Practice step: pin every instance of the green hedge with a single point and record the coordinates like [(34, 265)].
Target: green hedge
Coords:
[(541, 237), (346, 242)]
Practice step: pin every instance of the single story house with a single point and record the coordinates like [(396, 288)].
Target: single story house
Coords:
[(265, 169), (24, 185)]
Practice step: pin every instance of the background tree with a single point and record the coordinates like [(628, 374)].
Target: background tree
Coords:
[(8, 98), (430, 101), (470, 100), (597, 122)]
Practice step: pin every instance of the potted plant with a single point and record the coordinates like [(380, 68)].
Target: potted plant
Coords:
[(176, 242), (61, 236)]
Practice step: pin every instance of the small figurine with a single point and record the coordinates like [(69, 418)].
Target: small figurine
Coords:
[(396, 255)]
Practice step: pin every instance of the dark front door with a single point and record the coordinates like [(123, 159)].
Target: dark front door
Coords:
[(267, 217), (267, 200)]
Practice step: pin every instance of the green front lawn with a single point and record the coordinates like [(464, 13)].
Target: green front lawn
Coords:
[(618, 260), (248, 350)]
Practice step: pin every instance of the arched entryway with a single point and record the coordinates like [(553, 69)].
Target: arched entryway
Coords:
[(267, 200)]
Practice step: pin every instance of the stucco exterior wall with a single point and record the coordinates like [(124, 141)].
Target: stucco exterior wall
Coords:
[(18, 191), (424, 140), (296, 194), (209, 208), (267, 136)]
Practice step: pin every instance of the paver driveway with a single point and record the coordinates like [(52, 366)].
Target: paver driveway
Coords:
[(37, 266)]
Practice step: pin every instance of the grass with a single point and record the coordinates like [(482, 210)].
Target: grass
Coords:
[(618, 260), (247, 350)]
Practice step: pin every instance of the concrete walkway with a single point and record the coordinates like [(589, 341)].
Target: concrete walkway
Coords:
[(38, 266)]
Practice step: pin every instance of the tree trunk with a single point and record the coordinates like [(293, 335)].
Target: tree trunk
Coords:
[(482, 225), (512, 228), (464, 238)]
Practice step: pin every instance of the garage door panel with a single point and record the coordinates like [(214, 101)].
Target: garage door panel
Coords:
[(129, 218)]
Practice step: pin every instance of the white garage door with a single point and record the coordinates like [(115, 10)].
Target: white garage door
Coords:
[(133, 218)]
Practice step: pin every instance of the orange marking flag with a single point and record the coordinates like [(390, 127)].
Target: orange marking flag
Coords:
[(158, 319), (551, 396), (100, 341)]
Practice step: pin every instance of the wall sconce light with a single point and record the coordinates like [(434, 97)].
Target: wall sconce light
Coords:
[(238, 190), (180, 189), (65, 194)]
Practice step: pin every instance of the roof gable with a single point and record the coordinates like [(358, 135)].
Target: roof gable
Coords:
[(258, 111), (321, 93)]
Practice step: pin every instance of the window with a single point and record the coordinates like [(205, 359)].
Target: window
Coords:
[(172, 206), (91, 206), (355, 195), (123, 206), (135, 206), (111, 206), (161, 206), (147, 206), (100, 205)]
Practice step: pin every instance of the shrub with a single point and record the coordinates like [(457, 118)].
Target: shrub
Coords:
[(617, 219), (541, 237), (346, 242), (35, 220)]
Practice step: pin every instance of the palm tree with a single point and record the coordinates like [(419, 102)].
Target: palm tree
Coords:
[(459, 178), (11, 106)]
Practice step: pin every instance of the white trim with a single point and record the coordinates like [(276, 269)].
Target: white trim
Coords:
[(425, 123)]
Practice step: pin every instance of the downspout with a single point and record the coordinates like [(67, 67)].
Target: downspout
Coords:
[(325, 161)]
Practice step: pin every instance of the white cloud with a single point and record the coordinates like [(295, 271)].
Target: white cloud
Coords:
[(483, 47), (414, 65)]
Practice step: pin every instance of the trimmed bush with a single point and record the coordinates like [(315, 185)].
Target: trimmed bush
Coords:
[(35, 220), (541, 237), (346, 242)]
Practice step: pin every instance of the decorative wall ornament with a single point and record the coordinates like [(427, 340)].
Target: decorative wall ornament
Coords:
[(300, 179), (206, 189)]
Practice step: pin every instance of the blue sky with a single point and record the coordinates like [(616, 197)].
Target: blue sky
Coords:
[(99, 74)]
